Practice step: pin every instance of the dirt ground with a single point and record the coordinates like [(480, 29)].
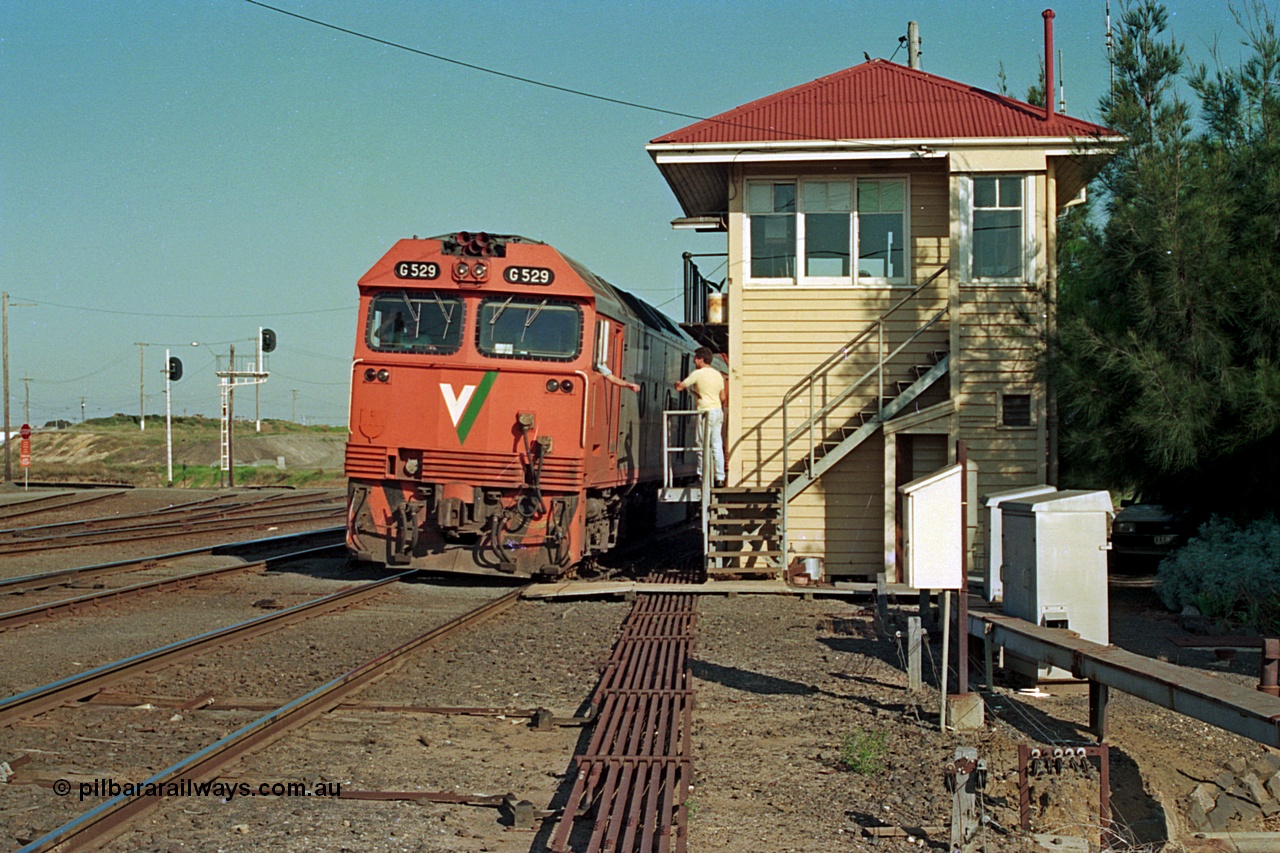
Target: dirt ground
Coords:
[(792, 694)]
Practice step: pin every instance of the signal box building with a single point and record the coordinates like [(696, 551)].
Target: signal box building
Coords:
[(890, 281)]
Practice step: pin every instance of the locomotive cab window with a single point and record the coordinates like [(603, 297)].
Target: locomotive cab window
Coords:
[(529, 328), (429, 322)]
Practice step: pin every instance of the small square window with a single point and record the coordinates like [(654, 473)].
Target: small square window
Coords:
[(1015, 410)]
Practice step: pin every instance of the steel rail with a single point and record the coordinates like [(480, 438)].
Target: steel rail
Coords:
[(159, 518), (61, 577), (182, 507), (37, 612), (74, 687), (162, 531), (192, 510), (103, 822), (58, 501)]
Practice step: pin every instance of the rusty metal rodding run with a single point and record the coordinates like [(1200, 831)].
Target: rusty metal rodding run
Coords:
[(632, 781)]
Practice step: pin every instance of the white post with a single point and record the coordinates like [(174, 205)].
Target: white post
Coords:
[(946, 651), (257, 411), (168, 420)]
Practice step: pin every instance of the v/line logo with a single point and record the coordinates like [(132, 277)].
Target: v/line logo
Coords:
[(464, 407)]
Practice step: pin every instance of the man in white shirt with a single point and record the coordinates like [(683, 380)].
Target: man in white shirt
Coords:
[(708, 386)]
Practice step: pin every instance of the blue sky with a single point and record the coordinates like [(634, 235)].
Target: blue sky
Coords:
[(189, 170)]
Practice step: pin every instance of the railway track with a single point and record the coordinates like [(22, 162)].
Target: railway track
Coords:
[(82, 574), (77, 604), (199, 517), (95, 827), (50, 503), (37, 700)]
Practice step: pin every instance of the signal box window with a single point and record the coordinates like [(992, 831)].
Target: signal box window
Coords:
[(538, 329), (997, 227), (772, 208), (426, 323), (846, 230)]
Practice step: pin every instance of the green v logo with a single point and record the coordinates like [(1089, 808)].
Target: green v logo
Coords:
[(465, 407)]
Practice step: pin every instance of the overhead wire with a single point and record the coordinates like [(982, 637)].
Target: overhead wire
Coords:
[(568, 90), (260, 314)]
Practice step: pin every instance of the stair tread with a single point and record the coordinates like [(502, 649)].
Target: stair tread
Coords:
[(745, 554)]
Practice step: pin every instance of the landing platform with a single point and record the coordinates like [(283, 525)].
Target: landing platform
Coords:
[(587, 589)]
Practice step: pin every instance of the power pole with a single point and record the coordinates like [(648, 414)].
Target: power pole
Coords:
[(294, 392), (142, 384), (913, 45), (82, 410), (8, 469), (231, 422)]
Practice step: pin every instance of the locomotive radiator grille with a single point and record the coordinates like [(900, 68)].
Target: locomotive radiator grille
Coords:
[(446, 466)]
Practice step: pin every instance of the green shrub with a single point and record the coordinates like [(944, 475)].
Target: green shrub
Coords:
[(1228, 572), (863, 752)]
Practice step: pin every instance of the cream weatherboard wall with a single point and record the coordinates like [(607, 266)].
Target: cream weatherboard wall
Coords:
[(778, 333)]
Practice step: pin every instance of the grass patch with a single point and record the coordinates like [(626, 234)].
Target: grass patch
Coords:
[(863, 752)]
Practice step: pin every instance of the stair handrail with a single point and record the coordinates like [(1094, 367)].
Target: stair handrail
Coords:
[(809, 381), (876, 369), (873, 326)]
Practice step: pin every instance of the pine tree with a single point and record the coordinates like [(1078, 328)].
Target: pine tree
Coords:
[(1166, 360)]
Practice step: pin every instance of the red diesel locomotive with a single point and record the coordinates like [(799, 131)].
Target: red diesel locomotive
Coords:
[(483, 436)]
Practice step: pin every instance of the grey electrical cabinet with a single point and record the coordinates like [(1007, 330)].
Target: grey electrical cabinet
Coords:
[(1055, 567), (992, 580)]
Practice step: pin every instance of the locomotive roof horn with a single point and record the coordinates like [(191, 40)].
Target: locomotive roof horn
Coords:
[(474, 244)]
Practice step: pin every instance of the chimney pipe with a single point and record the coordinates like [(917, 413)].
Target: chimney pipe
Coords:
[(1048, 64)]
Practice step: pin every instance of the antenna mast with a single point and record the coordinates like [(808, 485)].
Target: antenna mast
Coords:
[(1111, 55)]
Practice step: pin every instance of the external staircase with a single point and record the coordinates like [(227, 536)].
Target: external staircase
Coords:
[(745, 528)]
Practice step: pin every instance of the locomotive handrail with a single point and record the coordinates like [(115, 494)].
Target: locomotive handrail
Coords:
[(586, 395)]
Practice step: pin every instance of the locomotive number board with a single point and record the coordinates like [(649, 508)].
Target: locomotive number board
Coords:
[(421, 270), (529, 275)]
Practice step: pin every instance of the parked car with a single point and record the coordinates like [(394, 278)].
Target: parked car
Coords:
[(1147, 532)]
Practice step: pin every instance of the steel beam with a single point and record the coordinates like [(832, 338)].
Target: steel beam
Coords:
[(1190, 692)]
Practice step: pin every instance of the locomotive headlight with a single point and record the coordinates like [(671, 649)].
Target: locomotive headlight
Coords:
[(384, 375), (553, 385), (370, 374), (566, 385), (479, 270), (411, 466), (462, 270)]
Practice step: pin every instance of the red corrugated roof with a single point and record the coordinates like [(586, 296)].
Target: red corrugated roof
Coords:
[(882, 100)]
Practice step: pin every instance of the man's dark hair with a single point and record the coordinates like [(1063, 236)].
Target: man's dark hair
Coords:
[(704, 353)]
